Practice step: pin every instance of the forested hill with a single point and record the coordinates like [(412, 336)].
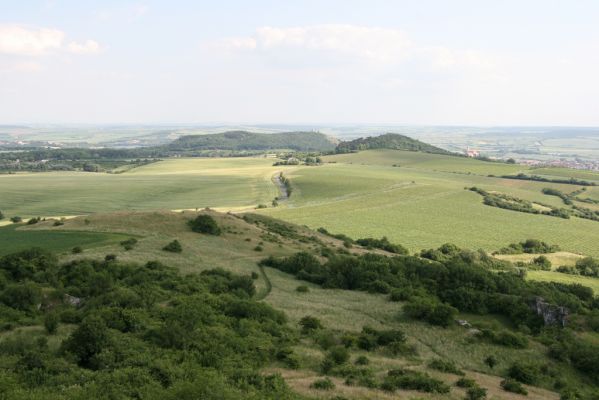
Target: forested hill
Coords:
[(389, 141), (242, 140)]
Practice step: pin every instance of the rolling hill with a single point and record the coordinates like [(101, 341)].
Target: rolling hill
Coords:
[(393, 141), (242, 140)]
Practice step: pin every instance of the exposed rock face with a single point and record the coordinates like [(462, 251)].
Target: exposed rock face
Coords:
[(552, 314)]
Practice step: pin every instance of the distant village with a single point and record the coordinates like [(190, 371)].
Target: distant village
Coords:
[(576, 163)]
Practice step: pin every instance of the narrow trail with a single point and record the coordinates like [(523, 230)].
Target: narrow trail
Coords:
[(264, 293)]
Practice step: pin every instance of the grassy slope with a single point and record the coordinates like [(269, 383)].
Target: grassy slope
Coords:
[(170, 184), (422, 204), (338, 309)]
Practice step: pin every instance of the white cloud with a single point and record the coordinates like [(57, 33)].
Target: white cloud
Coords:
[(375, 45), (88, 47), (19, 40)]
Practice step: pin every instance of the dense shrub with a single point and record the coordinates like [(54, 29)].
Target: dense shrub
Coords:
[(137, 331), (524, 372), (323, 384), (476, 393), (302, 289), (205, 224), (129, 244), (173, 247), (382, 244), (510, 385), (504, 338), (446, 366), (431, 311), (310, 324), (466, 383), (413, 380)]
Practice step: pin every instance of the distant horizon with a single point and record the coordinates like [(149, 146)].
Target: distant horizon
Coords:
[(286, 124)]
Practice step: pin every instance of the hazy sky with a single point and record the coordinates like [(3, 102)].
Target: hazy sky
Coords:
[(478, 62)]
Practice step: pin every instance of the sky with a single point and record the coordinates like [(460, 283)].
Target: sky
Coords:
[(428, 62)]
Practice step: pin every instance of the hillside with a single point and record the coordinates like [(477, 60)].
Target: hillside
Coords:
[(371, 337), (242, 140), (393, 141)]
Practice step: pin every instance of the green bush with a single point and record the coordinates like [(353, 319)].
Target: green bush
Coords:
[(524, 372), (310, 324), (51, 321), (129, 243), (323, 384), (205, 224), (76, 250), (362, 360), (413, 380), (465, 383), (510, 385), (476, 393), (446, 366), (431, 311), (302, 289), (173, 247)]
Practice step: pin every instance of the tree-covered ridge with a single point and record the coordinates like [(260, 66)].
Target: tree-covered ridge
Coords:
[(118, 330), (389, 141), (242, 140)]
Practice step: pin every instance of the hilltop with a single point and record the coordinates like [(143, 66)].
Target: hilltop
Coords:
[(243, 140), (393, 141)]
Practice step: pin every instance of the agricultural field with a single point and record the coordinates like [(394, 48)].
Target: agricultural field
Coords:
[(171, 184), (423, 204), (416, 199)]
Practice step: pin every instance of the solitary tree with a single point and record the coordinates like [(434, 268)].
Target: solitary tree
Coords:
[(205, 224)]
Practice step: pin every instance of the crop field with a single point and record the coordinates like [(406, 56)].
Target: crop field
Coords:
[(170, 184), (13, 239), (364, 195)]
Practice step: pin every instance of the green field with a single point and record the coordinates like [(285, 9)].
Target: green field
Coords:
[(169, 184), (420, 207), (13, 239), (415, 199)]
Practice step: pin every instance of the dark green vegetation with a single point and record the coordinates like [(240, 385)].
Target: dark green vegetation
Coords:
[(365, 344), (205, 224), (173, 247), (530, 246), (569, 181), (133, 331), (12, 239), (388, 141), (463, 281), (243, 141), (513, 203)]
